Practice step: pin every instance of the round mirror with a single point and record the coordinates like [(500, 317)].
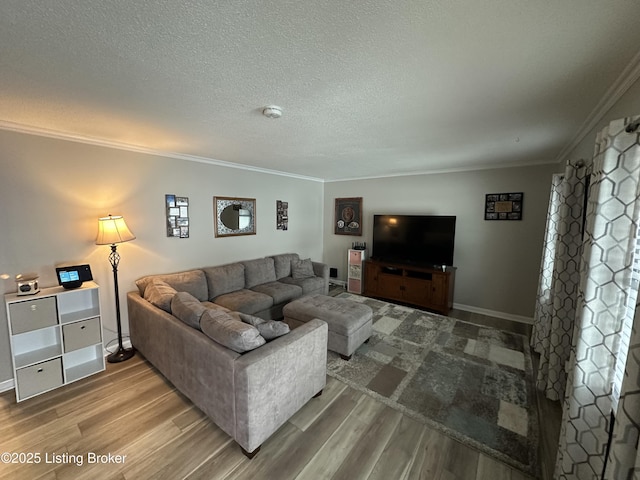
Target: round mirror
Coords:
[(235, 217)]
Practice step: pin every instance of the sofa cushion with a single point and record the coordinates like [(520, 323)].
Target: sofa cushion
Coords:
[(192, 281), (187, 308), (269, 329), (280, 292), (245, 301), (282, 264), (222, 328), (258, 271), (302, 268), (224, 279), (160, 294), (308, 285), (215, 306)]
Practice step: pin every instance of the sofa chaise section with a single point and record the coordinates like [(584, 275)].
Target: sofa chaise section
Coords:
[(248, 395)]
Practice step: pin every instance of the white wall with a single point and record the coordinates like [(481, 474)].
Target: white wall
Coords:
[(498, 261), (54, 191)]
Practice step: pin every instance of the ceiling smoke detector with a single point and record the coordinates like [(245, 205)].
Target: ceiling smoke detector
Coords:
[(272, 111)]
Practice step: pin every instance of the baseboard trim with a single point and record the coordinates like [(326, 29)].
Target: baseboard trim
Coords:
[(493, 313), (7, 385)]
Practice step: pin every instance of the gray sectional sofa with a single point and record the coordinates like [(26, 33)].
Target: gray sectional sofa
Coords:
[(174, 322), (260, 287)]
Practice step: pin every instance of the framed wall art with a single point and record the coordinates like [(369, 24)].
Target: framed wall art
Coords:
[(282, 215), (348, 216), (177, 210), (503, 206)]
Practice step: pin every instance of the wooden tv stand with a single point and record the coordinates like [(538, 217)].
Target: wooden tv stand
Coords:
[(430, 288)]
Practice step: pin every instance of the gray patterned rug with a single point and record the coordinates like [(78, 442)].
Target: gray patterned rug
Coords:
[(471, 382)]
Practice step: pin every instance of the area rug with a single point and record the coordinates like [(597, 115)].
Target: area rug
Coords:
[(471, 382)]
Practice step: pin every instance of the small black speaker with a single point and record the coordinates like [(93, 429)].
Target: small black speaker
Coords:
[(72, 277), (333, 272)]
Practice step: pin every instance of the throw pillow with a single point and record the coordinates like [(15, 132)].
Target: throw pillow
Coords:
[(269, 329), (222, 328), (160, 294), (302, 268), (282, 264), (187, 308)]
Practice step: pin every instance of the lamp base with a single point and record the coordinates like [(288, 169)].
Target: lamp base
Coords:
[(121, 355)]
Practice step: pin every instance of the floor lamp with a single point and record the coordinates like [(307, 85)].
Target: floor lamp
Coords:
[(111, 231)]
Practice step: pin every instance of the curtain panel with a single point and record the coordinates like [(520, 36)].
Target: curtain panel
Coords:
[(599, 373), (624, 457), (541, 317), (555, 309)]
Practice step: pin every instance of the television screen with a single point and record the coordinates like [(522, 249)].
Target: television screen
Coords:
[(69, 276), (425, 240)]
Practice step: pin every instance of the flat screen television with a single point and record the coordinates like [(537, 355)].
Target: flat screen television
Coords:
[(422, 240)]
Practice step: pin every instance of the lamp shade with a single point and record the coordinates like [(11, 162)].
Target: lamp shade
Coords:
[(112, 230)]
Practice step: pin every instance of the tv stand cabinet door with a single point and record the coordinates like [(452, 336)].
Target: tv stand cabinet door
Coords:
[(391, 286), (439, 292), (417, 291), (371, 271)]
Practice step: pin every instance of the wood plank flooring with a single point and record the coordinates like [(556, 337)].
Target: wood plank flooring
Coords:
[(132, 411)]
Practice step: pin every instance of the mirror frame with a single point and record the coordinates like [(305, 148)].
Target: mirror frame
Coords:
[(220, 203)]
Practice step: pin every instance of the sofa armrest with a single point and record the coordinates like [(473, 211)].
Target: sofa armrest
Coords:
[(322, 270), (196, 365), (274, 381)]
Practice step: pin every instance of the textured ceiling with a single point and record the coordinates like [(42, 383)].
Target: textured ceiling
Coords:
[(368, 88)]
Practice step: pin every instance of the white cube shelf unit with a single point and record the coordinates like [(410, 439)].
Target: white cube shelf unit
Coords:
[(56, 338), (355, 264)]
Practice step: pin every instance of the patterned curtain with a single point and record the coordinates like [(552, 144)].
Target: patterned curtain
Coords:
[(559, 277), (624, 457), (542, 313), (603, 330)]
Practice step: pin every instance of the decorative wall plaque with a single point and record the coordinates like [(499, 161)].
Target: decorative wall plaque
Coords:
[(348, 216)]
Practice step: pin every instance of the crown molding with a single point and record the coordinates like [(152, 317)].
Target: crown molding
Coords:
[(627, 78), (469, 168), (43, 132)]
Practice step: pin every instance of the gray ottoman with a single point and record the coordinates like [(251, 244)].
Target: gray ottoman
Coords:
[(350, 323)]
